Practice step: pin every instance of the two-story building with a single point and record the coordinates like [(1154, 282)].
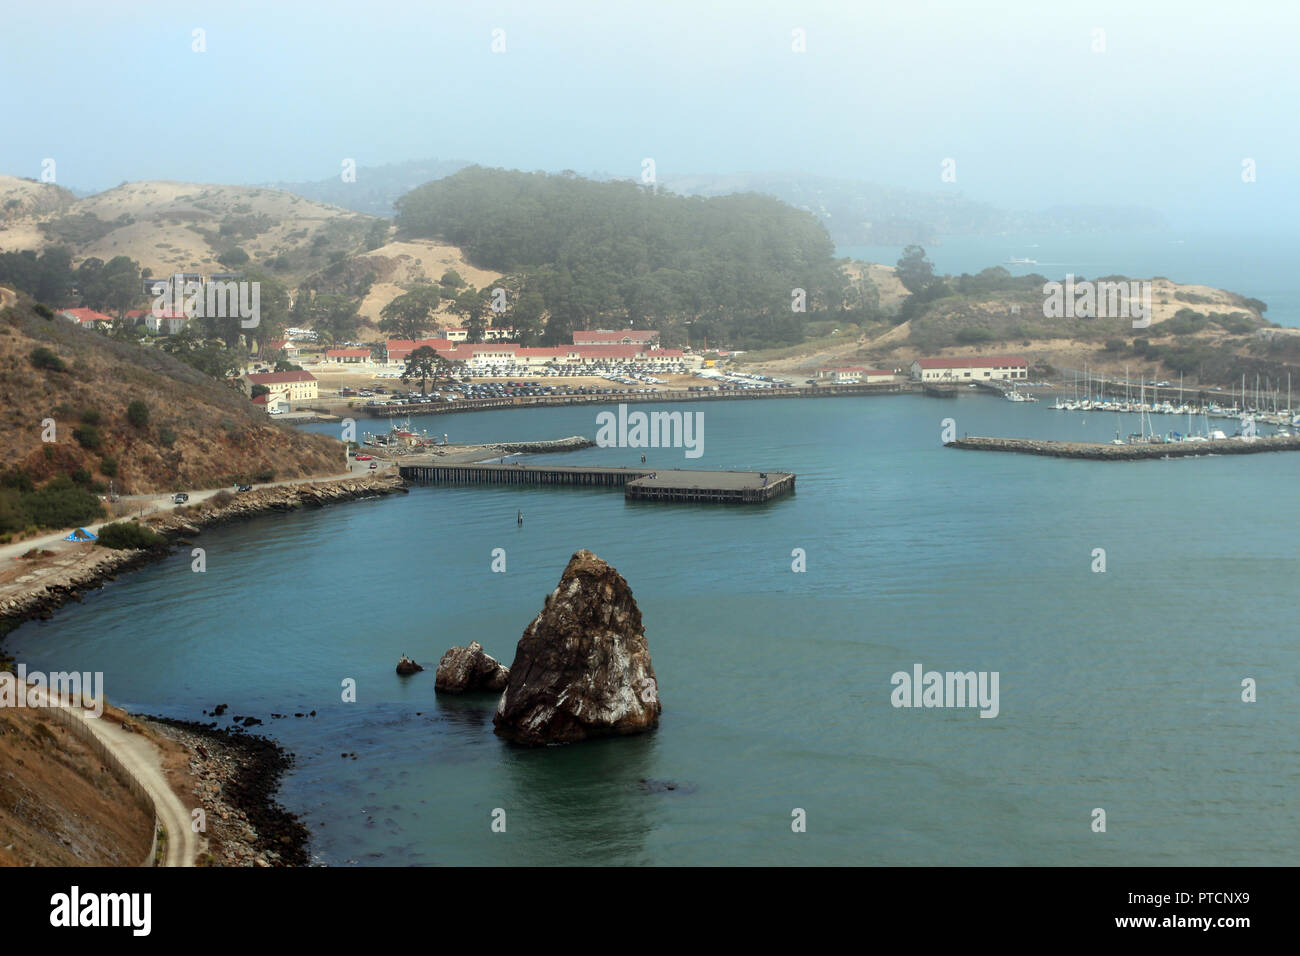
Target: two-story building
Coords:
[(297, 386)]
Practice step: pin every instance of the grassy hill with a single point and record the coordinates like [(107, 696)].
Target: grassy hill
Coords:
[(184, 227), (194, 431)]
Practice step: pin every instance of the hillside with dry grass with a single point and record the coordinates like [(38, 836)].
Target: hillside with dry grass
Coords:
[(194, 431), (170, 227), (60, 805)]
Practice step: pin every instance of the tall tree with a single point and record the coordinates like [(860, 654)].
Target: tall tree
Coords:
[(334, 318), (410, 315), (915, 271), (425, 363)]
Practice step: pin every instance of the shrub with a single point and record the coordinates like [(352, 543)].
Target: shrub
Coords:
[(82, 476), (108, 466), (137, 413), (167, 436), (123, 535), (61, 504), (42, 357), (90, 416), (88, 437), (44, 311), (221, 499), (264, 476)]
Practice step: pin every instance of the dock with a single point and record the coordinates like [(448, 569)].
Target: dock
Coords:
[(640, 484), (1135, 452)]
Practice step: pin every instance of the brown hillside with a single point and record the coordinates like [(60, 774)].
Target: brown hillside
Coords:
[(182, 227), (219, 436), (59, 803)]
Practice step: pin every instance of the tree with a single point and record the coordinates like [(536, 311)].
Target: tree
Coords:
[(334, 317), (473, 306), (137, 413), (377, 235), (410, 314), (526, 317), (233, 258), (915, 271), (424, 363)]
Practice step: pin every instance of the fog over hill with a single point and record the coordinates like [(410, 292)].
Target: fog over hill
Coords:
[(854, 212)]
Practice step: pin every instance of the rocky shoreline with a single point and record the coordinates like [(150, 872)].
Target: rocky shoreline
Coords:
[(51, 589), (236, 778)]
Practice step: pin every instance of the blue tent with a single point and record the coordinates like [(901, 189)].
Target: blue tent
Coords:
[(81, 534)]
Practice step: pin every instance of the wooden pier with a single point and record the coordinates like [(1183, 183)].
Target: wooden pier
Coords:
[(641, 484)]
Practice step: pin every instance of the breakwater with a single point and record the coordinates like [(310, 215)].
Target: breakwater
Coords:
[(673, 395), (1137, 452)]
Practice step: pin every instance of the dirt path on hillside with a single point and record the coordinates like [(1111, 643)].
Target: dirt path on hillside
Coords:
[(143, 760)]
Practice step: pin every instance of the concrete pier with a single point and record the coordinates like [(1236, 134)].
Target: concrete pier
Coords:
[(643, 484)]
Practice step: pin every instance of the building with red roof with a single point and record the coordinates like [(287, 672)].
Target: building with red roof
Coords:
[(87, 318), (299, 386)]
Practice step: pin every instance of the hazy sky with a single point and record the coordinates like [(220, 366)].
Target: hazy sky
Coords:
[(1012, 91)]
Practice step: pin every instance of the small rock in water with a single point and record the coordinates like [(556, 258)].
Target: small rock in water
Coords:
[(407, 666), (470, 668)]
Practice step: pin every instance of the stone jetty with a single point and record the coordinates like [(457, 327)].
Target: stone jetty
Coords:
[(1135, 452)]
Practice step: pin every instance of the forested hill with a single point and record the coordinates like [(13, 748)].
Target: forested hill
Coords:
[(591, 254)]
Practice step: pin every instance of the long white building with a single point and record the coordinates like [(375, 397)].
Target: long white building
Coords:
[(973, 368)]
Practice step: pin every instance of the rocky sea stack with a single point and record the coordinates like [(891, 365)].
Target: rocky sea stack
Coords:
[(582, 668), (469, 668)]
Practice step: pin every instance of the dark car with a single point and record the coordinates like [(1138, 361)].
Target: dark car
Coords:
[(244, 488)]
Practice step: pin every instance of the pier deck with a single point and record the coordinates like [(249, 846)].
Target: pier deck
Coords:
[(644, 484)]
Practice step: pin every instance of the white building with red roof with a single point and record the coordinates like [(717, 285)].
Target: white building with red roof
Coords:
[(347, 356), (87, 318), (299, 386), (971, 368)]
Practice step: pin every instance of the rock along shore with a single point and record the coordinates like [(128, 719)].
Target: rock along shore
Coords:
[(44, 588)]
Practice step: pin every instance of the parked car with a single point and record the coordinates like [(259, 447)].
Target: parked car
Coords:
[(374, 464), (244, 488), (365, 457), (180, 498)]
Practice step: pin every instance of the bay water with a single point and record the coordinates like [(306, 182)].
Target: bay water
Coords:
[(1119, 689)]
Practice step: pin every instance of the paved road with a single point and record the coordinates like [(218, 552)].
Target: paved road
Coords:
[(143, 760), (149, 504)]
